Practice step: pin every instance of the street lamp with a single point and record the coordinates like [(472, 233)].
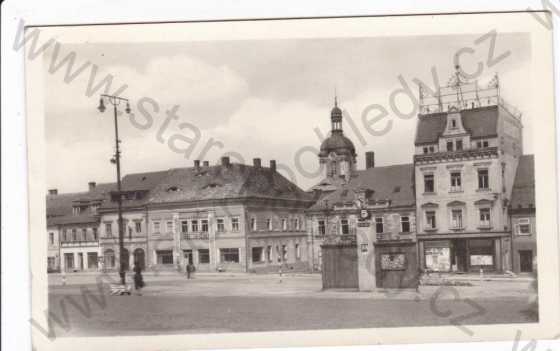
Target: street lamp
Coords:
[(116, 101)]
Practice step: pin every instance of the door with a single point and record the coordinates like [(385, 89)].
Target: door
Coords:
[(525, 261), (139, 258), (188, 256)]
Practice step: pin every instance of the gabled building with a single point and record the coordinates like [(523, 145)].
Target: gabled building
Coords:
[(466, 154), (523, 220), (72, 228)]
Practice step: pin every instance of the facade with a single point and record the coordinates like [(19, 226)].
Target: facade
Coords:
[(72, 229), (523, 221), (227, 217), (466, 156)]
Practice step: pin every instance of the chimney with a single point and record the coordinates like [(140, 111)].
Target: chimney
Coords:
[(196, 164), (273, 165), (206, 164), (370, 159), (53, 191), (257, 162), (91, 186), (225, 161)]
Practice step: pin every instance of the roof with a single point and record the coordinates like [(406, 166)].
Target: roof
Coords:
[(337, 143), (59, 207), (225, 182), (480, 122), (523, 193), (394, 183)]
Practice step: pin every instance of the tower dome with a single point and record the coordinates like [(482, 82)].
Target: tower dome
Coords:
[(337, 142)]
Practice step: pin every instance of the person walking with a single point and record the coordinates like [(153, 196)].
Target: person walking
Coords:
[(190, 270), (138, 279)]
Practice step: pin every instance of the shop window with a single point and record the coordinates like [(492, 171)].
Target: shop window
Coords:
[(481, 253), (220, 225), (523, 226), (204, 225), (483, 181), (235, 224), (405, 224), (428, 183), (456, 181), (322, 227), (379, 225), (194, 226), (229, 255), (203, 256), (344, 227), (164, 256), (456, 218), (484, 217), (257, 254)]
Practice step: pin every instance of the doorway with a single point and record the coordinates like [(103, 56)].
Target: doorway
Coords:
[(188, 256), (139, 258), (526, 261)]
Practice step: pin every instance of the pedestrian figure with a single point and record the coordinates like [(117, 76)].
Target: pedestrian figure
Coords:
[(190, 270), (138, 279), (280, 273)]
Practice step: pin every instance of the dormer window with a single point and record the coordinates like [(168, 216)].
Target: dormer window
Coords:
[(449, 146), (453, 124)]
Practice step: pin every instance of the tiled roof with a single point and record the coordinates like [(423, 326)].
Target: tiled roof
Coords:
[(394, 183), (224, 182), (59, 207), (480, 122), (523, 193)]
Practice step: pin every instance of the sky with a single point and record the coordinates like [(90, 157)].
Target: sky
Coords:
[(255, 98)]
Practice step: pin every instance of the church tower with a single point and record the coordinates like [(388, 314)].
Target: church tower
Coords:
[(337, 155)]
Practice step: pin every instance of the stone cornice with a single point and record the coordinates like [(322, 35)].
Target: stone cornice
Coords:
[(454, 156)]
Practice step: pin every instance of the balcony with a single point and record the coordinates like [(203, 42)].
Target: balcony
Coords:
[(195, 236), (79, 243)]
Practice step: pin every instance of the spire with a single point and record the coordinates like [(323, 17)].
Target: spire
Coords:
[(335, 98), (336, 115)]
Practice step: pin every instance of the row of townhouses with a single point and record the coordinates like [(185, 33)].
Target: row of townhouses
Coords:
[(465, 203)]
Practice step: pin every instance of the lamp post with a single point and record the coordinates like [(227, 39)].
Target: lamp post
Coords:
[(116, 101)]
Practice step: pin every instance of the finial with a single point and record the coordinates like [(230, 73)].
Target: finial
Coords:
[(335, 98)]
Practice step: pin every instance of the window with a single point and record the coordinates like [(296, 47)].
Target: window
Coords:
[(169, 226), (453, 124), (108, 229), (138, 226), (425, 150), (269, 224), (459, 144), (51, 263), (405, 224), (235, 224), (344, 227), (485, 143), (94, 233), (455, 181), (269, 254), (156, 226), (229, 255), (457, 218), (84, 234), (92, 260), (479, 144), (428, 183), (204, 225), (431, 149), (483, 179), (321, 227), (284, 224), (257, 254), (484, 217), (130, 232), (69, 260), (203, 256), (284, 253), (164, 256), (379, 225), (296, 224), (220, 225), (194, 225), (297, 250), (184, 226), (523, 226), (449, 146), (74, 235), (51, 238), (65, 235), (253, 224), (431, 219)]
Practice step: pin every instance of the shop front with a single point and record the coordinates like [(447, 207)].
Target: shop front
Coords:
[(462, 255)]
